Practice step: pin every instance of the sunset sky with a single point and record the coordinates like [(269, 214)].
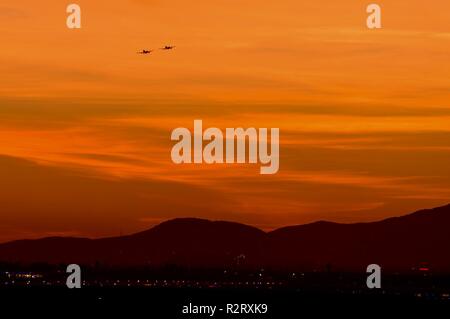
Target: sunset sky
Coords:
[(85, 122)]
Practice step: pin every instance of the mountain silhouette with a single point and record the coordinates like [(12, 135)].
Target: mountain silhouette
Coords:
[(399, 243)]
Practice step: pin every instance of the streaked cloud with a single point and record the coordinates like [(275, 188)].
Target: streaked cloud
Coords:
[(364, 116)]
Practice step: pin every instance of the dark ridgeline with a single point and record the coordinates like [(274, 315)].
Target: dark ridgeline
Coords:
[(399, 243)]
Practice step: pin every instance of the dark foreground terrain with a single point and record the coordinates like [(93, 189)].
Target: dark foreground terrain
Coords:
[(169, 302), (131, 294)]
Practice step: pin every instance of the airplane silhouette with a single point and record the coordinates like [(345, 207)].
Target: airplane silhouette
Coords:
[(145, 52), (168, 47)]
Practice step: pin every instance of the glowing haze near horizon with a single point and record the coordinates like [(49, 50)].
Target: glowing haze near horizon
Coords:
[(85, 122)]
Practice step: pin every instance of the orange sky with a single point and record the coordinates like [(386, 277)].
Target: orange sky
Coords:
[(85, 122)]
